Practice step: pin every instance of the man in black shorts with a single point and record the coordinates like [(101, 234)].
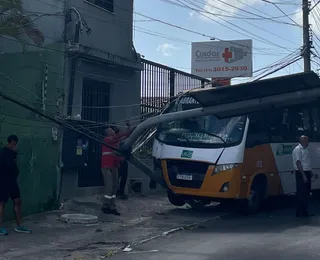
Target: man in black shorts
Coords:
[(9, 187)]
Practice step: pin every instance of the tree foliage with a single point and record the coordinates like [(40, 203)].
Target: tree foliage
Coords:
[(16, 24)]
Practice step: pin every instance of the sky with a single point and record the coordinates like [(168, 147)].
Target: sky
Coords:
[(274, 27)]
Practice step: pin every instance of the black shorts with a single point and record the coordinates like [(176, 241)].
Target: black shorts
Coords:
[(10, 190)]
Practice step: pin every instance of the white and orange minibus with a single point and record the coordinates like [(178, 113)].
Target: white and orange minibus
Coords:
[(244, 158)]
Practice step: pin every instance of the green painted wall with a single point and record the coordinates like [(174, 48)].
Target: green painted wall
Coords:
[(38, 152)]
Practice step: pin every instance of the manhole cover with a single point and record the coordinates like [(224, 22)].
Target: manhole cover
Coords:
[(79, 218)]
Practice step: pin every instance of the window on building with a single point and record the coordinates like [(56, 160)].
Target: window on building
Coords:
[(105, 4)]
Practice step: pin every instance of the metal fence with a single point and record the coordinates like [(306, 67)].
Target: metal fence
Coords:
[(159, 84)]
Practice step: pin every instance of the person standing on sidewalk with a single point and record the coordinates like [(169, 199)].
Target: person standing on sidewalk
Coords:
[(123, 168), (109, 169), (9, 187), (110, 164), (303, 174), (123, 176)]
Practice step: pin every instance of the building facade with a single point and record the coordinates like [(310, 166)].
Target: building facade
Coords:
[(71, 58), (103, 84)]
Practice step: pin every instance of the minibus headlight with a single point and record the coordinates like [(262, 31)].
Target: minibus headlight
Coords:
[(225, 167), (225, 187)]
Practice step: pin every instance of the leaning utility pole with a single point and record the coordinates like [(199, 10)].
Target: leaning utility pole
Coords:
[(306, 36)]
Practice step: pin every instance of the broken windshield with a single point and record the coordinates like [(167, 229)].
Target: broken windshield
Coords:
[(203, 131)]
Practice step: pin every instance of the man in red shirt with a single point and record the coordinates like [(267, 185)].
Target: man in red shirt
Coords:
[(110, 163)]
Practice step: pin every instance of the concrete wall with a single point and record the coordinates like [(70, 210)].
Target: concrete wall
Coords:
[(38, 152), (124, 92), (70, 183), (111, 32), (124, 104)]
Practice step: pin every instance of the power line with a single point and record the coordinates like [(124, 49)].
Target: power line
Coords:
[(248, 23), (112, 79), (157, 35), (258, 38), (146, 31), (277, 17), (314, 5), (282, 11), (240, 9), (81, 72), (62, 122), (229, 16), (153, 19)]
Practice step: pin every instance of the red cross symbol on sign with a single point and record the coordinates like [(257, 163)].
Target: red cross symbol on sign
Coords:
[(227, 55)]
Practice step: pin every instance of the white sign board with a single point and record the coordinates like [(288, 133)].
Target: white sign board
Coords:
[(222, 59)]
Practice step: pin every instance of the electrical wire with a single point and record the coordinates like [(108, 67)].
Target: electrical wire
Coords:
[(314, 5), (276, 17), (153, 19), (103, 123), (238, 9), (80, 129), (110, 79), (74, 106), (275, 5), (258, 37), (51, 49), (229, 16), (105, 21), (189, 68)]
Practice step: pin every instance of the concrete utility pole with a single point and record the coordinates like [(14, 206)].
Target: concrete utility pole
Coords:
[(306, 36)]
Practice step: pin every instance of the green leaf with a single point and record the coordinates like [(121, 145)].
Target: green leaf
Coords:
[(12, 4), (17, 24)]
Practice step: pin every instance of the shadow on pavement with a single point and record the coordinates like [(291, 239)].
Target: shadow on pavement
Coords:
[(277, 216)]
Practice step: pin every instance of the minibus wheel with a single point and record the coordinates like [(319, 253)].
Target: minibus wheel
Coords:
[(174, 199), (197, 205), (256, 196), (254, 201)]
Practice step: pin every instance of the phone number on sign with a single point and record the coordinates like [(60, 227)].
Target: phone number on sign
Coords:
[(232, 68)]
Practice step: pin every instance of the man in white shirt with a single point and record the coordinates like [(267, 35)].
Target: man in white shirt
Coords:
[(302, 166)]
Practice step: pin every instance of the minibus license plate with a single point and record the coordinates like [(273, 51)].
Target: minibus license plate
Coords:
[(185, 177)]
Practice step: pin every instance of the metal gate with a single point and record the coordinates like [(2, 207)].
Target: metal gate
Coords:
[(159, 84), (95, 103)]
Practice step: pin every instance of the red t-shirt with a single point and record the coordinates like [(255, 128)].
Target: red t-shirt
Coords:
[(109, 160), (112, 160)]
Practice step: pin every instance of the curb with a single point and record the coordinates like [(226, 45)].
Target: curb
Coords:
[(163, 234)]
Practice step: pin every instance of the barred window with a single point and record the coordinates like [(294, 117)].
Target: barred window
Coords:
[(105, 4)]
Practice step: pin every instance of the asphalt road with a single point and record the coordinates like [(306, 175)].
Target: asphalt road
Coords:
[(266, 236)]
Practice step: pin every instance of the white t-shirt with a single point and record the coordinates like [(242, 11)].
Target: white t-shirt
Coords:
[(301, 154)]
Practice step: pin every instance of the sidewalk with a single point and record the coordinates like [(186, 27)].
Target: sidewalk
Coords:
[(141, 218)]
